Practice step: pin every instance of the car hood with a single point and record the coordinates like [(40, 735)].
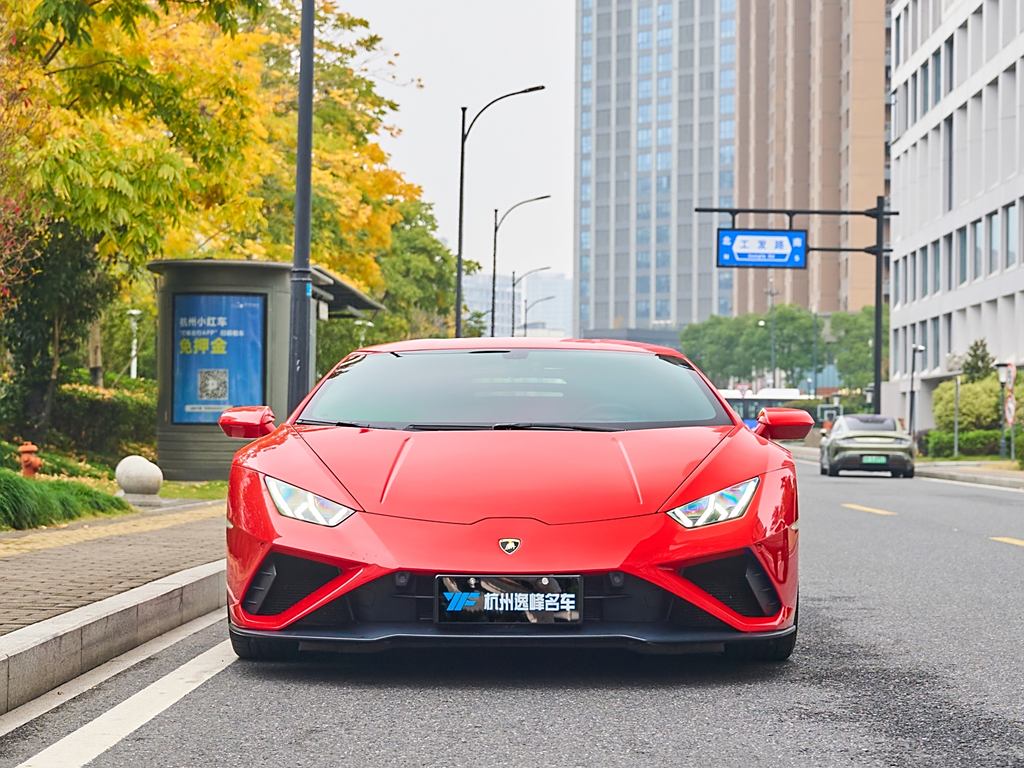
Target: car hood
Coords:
[(553, 476)]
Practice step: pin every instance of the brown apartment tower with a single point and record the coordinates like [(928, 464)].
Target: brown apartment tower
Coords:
[(811, 133)]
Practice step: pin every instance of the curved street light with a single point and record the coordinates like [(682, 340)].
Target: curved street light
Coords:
[(516, 281), (494, 267), (526, 310), (463, 135)]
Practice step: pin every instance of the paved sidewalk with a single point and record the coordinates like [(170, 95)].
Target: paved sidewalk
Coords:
[(963, 472), (48, 572)]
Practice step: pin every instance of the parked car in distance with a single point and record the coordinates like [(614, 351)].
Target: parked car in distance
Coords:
[(867, 443)]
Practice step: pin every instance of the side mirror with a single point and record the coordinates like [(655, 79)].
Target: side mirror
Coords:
[(247, 422), (783, 423)]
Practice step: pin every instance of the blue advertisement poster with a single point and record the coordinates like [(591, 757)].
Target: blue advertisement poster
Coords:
[(218, 354)]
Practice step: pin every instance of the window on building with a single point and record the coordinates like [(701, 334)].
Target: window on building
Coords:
[(961, 249), (948, 162), (925, 82), (585, 143), (925, 277), (664, 111), (643, 89), (585, 167), (662, 310), (644, 39), (665, 61), (663, 183), (643, 309), (933, 348), (662, 259), (643, 114), (585, 240), (936, 76), (664, 86), (643, 283), (586, 97), (727, 78), (977, 248), (1012, 224), (663, 161), (664, 12), (643, 235), (936, 267), (643, 138), (897, 297), (643, 162), (663, 284), (643, 211), (643, 259), (587, 48), (897, 40), (665, 37), (911, 277), (947, 50), (643, 186), (664, 136), (727, 130), (726, 104), (912, 117), (994, 238), (585, 191), (728, 54), (663, 210), (587, 24), (728, 28), (644, 64), (643, 15)]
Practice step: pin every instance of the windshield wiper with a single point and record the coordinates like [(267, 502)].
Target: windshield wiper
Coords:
[(444, 427), (525, 425), (322, 423)]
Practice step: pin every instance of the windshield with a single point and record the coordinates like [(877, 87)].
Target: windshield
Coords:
[(520, 388), (871, 423)]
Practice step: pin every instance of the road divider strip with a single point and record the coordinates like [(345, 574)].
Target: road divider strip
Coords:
[(42, 656), (1008, 540), (96, 737), (872, 510)]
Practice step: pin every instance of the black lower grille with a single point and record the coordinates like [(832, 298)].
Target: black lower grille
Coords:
[(282, 580), (739, 582), (632, 601)]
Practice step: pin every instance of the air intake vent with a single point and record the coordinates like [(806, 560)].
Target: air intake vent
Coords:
[(283, 580), (739, 582)]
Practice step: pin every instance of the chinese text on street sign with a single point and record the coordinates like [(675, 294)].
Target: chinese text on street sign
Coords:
[(218, 354), (774, 248)]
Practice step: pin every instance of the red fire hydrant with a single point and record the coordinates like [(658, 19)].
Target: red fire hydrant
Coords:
[(28, 455)]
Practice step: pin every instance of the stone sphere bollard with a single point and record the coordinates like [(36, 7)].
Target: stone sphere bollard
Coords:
[(139, 480)]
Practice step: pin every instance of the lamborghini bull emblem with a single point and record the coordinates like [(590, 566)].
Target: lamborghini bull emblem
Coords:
[(509, 546)]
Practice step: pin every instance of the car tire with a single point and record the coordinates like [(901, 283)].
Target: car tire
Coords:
[(821, 468), (263, 649), (895, 473), (777, 650), (908, 472), (832, 471)]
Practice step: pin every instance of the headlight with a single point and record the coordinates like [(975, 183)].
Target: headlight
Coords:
[(717, 507), (302, 505)]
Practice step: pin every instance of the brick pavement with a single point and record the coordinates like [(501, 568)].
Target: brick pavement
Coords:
[(47, 572)]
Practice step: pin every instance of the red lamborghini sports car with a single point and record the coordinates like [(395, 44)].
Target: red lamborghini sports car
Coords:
[(513, 492)]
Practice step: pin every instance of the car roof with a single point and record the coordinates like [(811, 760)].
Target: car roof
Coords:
[(486, 342)]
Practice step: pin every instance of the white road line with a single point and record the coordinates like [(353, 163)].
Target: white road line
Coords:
[(975, 486), (93, 739), (40, 706)]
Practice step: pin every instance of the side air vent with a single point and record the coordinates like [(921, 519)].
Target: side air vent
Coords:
[(283, 580), (739, 582)]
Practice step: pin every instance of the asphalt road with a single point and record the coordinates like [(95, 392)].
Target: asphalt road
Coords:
[(909, 655)]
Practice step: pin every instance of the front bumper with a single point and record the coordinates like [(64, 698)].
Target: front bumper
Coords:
[(633, 636)]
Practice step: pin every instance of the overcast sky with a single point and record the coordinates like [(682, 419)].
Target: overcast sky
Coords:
[(467, 52)]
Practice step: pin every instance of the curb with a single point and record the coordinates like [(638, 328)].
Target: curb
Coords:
[(934, 473), (40, 657)]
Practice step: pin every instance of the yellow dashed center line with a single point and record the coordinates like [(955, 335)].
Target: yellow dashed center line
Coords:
[(35, 542), (872, 510), (1009, 540)]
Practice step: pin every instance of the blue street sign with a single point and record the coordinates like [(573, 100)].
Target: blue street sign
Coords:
[(768, 248)]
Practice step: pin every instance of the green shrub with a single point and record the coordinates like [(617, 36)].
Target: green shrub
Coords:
[(96, 420), (979, 403), (28, 503), (939, 443), (980, 442)]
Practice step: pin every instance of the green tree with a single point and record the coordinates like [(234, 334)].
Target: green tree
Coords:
[(979, 362), (68, 287), (853, 345)]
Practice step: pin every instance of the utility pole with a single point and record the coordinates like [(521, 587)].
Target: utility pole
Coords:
[(772, 293)]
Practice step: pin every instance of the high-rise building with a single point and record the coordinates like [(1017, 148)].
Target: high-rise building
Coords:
[(957, 182), (656, 136), (812, 126)]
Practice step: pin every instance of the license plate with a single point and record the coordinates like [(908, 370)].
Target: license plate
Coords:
[(875, 459), (508, 599)]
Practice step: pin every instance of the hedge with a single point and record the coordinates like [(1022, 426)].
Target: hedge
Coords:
[(28, 503), (102, 421), (973, 442)]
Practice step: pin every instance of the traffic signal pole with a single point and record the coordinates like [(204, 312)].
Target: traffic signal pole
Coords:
[(878, 250)]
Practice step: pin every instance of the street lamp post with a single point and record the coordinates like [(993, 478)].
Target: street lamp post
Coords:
[(463, 135), (494, 267), (302, 276), (133, 321), (516, 281), (526, 311), (915, 350), (1003, 371)]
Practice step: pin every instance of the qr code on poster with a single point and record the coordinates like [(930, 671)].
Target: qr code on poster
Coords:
[(213, 384)]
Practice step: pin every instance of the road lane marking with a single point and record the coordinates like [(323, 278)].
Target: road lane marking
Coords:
[(975, 486), (34, 542), (113, 726), (872, 510), (38, 707), (1009, 540)]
